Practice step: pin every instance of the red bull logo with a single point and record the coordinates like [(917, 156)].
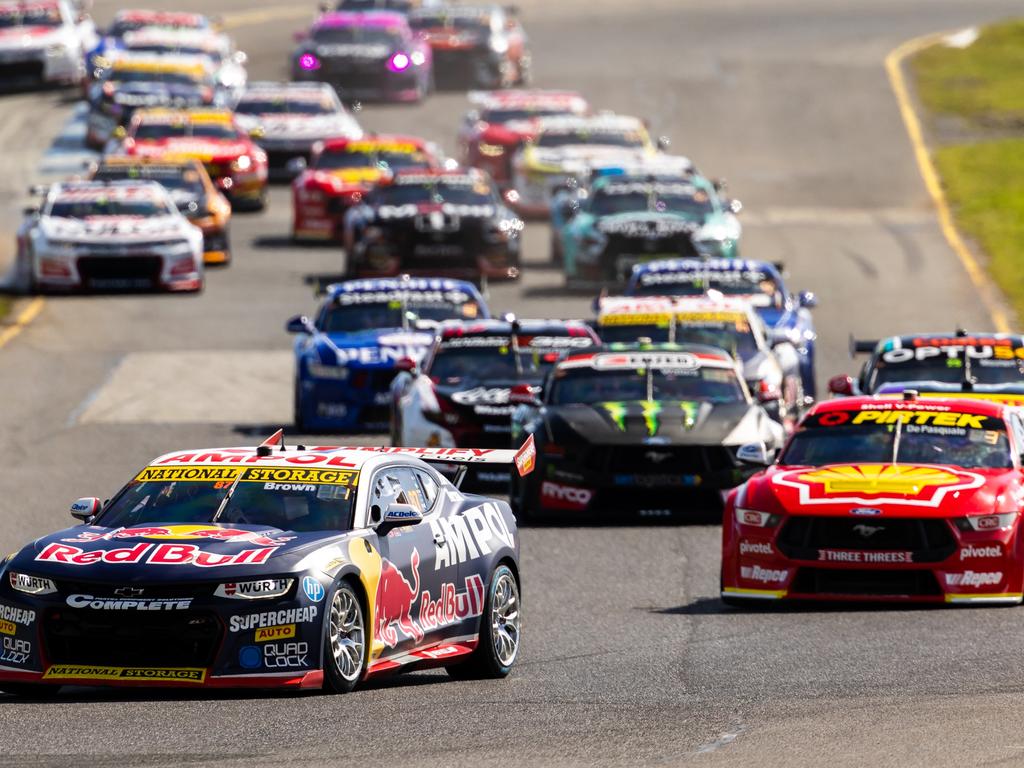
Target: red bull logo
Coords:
[(395, 598)]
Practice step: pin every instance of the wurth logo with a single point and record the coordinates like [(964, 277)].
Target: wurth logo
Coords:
[(974, 579)]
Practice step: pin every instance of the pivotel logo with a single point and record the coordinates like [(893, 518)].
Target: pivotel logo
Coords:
[(970, 551), (755, 548)]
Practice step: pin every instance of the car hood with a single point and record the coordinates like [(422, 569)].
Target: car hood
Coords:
[(577, 158), (376, 348), (878, 491), (29, 37), (660, 422), (167, 552), (204, 150), (276, 126), (115, 228), (647, 224)]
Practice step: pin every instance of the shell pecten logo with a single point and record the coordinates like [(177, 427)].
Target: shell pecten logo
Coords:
[(879, 478), (908, 485)]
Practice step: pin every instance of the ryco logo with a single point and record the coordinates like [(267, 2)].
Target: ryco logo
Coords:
[(559, 496)]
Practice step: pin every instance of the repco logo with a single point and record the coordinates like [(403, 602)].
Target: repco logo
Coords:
[(973, 579), (970, 551), (764, 575)]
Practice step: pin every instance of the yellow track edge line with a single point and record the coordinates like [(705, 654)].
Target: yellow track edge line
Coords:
[(26, 316), (982, 283)]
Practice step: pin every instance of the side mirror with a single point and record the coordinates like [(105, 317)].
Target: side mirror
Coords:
[(296, 165), (240, 57), (841, 385), (719, 185), (38, 190), (756, 454), (86, 508), (257, 133), (299, 324), (663, 143), (807, 299), (401, 514), (734, 206), (30, 210), (524, 394), (405, 364), (119, 132)]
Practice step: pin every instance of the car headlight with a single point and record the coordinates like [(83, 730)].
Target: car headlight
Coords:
[(243, 163), (31, 585), (756, 518), (321, 371), (258, 589), (986, 522), (499, 45)]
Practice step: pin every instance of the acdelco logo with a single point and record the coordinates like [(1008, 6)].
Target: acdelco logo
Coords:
[(970, 551)]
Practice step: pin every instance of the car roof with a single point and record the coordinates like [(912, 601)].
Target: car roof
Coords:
[(897, 402), (380, 18), (566, 123), (451, 329), (953, 339), (706, 266)]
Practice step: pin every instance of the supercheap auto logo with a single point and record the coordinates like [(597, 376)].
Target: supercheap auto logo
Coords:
[(870, 483)]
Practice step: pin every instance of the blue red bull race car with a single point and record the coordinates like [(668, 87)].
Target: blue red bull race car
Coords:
[(269, 567), (760, 282), (362, 335)]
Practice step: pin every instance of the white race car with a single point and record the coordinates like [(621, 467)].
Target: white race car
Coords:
[(116, 235), (219, 49), (287, 119), (43, 43)]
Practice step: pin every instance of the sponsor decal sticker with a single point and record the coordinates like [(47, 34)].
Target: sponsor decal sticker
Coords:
[(284, 655), (7, 627), (15, 651), (863, 556), (249, 621), (119, 604), (11, 615), (476, 532), (153, 554), (314, 589), (558, 496), (970, 551), (921, 486), (450, 606), (748, 547), (974, 579), (279, 632), (162, 674), (763, 575), (249, 657)]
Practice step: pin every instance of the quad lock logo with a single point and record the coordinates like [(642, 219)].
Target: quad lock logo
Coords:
[(15, 651), (274, 655)]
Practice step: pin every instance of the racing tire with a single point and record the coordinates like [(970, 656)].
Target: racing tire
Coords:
[(500, 631), (345, 644), (30, 691)]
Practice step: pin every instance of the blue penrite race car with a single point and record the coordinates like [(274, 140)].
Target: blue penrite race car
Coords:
[(760, 282), (362, 335), (269, 567)]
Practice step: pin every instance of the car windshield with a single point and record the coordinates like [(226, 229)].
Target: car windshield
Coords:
[(85, 208), (628, 139), (492, 358), (509, 115), (739, 342), (350, 318), (1000, 367), (149, 76), (358, 35), (911, 436), (698, 282), (681, 199), (29, 16), (158, 131), (186, 188), (440, 192), (587, 385), (460, 22), (284, 106), (286, 498)]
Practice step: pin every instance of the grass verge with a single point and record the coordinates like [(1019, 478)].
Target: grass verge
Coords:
[(982, 88)]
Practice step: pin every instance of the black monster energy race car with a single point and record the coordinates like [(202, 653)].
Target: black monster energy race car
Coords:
[(650, 429)]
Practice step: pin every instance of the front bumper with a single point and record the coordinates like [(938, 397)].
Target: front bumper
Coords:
[(114, 270), (919, 561), (33, 67), (361, 403), (260, 643)]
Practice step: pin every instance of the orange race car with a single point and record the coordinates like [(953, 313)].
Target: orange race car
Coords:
[(191, 189)]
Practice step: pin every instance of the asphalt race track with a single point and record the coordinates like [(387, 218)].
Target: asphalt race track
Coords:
[(629, 657)]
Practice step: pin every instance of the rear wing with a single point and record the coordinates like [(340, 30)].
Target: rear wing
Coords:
[(862, 346), (524, 458)]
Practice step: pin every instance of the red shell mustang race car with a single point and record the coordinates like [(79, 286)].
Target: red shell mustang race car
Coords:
[(883, 499), (341, 171), (502, 121)]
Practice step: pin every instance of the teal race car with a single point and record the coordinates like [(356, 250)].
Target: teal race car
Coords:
[(623, 220)]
